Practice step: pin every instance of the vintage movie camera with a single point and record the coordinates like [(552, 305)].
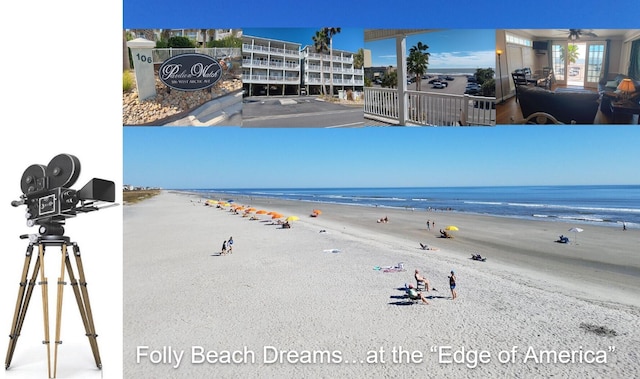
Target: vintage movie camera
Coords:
[(49, 199)]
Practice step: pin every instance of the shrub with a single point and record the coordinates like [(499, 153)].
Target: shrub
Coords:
[(349, 95), (127, 81), (178, 41)]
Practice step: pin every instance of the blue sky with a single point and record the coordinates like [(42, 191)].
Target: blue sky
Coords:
[(380, 157), (349, 39), (449, 48)]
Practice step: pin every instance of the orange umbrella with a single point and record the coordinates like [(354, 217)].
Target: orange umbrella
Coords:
[(277, 215), (261, 212), (317, 212)]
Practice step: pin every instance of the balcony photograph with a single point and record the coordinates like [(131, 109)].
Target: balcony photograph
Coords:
[(430, 77), (302, 77)]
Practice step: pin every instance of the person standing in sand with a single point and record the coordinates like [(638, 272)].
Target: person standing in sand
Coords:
[(452, 285), (230, 245), (224, 248), (428, 224)]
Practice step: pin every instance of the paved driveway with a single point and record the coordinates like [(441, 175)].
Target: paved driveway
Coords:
[(299, 111)]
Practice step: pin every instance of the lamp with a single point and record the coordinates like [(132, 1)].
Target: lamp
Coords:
[(626, 87), (499, 52)]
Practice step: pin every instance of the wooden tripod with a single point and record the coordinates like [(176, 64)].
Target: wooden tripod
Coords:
[(26, 289)]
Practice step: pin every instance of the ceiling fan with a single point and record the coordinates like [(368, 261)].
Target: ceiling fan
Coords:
[(575, 34)]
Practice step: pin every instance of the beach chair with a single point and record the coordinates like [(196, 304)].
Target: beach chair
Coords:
[(412, 296)]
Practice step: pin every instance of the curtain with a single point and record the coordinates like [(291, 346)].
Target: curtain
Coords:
[(634, 63), (605, 67)]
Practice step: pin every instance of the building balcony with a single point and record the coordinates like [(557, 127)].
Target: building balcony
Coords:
[(270, 79)]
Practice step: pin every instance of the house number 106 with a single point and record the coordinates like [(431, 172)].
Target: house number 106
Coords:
[(144, 58)]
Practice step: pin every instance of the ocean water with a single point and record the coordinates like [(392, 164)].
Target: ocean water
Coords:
[(603, 205)]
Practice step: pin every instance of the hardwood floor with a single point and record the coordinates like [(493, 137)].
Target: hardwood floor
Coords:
[(509, 110)]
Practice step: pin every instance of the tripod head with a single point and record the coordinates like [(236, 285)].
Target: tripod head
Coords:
[(49, 199)]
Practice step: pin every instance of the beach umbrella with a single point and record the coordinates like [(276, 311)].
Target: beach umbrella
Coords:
[(276, 215), (317, 212), (575, 233), (292, 218), (451, 228), (249, 210), (261, 212)]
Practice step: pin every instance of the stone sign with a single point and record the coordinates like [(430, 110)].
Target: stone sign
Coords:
[(190, 72)]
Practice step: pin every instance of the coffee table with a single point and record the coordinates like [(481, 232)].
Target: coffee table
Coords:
[(625, 107)]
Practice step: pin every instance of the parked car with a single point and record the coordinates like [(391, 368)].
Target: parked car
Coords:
[(434, 80), (448, 77), (471, 79), (438, 85)]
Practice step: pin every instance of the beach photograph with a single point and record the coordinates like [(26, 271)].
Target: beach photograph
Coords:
[(345, 253)]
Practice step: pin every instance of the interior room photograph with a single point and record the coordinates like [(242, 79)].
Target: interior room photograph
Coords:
[(568, 76)]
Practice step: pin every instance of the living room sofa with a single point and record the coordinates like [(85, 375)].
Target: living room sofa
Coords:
[(608, 89), (579, 107)]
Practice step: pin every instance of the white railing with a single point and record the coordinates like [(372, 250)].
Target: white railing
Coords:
[(350, 82), (265, 63), (327, 57), (432, 109), (270, 79), (160, 55), (272, 50)]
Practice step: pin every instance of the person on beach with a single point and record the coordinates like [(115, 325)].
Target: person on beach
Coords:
[(421, 279), (428, 224), (415, 295), (224, 248), (230, 245), (452, 285)]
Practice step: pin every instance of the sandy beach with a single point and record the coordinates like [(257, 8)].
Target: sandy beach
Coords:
[(315, 300)]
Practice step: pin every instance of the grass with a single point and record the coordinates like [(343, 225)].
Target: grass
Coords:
[(132, 197), (127, 81)]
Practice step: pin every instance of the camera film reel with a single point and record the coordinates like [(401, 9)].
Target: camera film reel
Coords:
[(62, 171)]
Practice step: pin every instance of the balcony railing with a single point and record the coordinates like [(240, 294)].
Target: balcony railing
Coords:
[(270, 50), (342, 82), (338, 70), (270, 79), (327, 57), (266, 63), (160, 55), (430, 109)]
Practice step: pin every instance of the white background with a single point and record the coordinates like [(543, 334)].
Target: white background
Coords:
[(61, 70)]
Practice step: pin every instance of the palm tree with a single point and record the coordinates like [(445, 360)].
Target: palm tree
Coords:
[(358, 59), (570, 54), (320, 45), (418, 61), (330, 32)]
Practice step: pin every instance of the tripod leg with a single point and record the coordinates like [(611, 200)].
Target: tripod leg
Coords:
[(21, 304), (82, 298), (61, 284), (45, 306)]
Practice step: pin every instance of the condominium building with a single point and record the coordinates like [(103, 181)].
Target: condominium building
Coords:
[(325, 69), (273, 67), (270, 67)]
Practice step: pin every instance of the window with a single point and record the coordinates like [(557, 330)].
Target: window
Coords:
[(512, 38)]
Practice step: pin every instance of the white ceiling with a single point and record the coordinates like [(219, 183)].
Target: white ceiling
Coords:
[(559, 34)]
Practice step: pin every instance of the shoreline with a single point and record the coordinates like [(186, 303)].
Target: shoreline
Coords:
[(532, 217), (315, 287), (587, 261)]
